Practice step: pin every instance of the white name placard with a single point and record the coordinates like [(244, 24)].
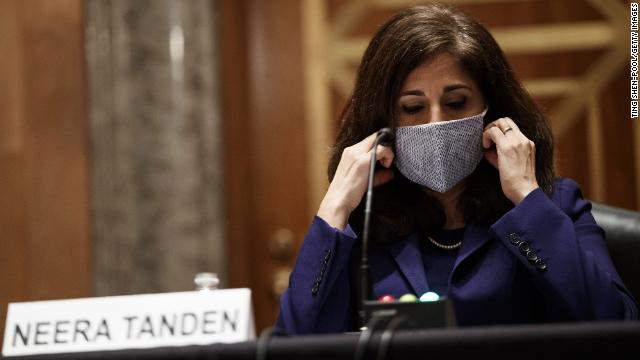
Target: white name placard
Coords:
[(126, 322)]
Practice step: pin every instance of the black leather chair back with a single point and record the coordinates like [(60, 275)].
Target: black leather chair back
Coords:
[(622, 235)]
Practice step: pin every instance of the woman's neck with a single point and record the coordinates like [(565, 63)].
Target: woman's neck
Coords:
[(449, 201)]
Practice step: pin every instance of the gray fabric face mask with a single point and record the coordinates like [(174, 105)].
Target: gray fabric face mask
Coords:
[(439, 155)]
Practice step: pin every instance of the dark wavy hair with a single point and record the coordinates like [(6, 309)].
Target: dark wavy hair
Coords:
[(404, 42)]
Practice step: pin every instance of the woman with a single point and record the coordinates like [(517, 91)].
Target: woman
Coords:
[(467, 204)]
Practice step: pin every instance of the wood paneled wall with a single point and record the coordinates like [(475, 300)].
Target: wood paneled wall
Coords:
[(264, 129), (44, 211)]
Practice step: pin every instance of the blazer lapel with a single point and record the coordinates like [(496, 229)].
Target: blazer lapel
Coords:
[(474, 237), (407, 255)]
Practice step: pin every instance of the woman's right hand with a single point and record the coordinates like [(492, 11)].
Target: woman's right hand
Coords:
[(350, 180)]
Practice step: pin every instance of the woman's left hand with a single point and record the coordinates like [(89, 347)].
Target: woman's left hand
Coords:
[(514, 156)]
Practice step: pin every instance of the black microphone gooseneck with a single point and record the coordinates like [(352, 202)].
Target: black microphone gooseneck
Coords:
[(384, 136)]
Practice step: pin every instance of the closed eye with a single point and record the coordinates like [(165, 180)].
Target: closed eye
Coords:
[(457, 105), (412, 109)]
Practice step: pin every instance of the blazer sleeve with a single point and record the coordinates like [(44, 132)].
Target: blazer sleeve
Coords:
[(562, 248), (318, 297)]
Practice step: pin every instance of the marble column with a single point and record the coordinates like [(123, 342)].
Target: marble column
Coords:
[(157, 191)]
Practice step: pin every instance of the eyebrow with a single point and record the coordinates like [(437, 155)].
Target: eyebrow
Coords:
[(455, 87), (446, 89)]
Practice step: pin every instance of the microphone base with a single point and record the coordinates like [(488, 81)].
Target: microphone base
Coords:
[(412, 315)]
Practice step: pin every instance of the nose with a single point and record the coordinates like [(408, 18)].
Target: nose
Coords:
[(436, 115)]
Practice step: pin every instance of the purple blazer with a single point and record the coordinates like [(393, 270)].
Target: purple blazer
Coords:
[(492, 281)]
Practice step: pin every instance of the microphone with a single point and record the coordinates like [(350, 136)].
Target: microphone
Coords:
[(385, 137), (428, 312)]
